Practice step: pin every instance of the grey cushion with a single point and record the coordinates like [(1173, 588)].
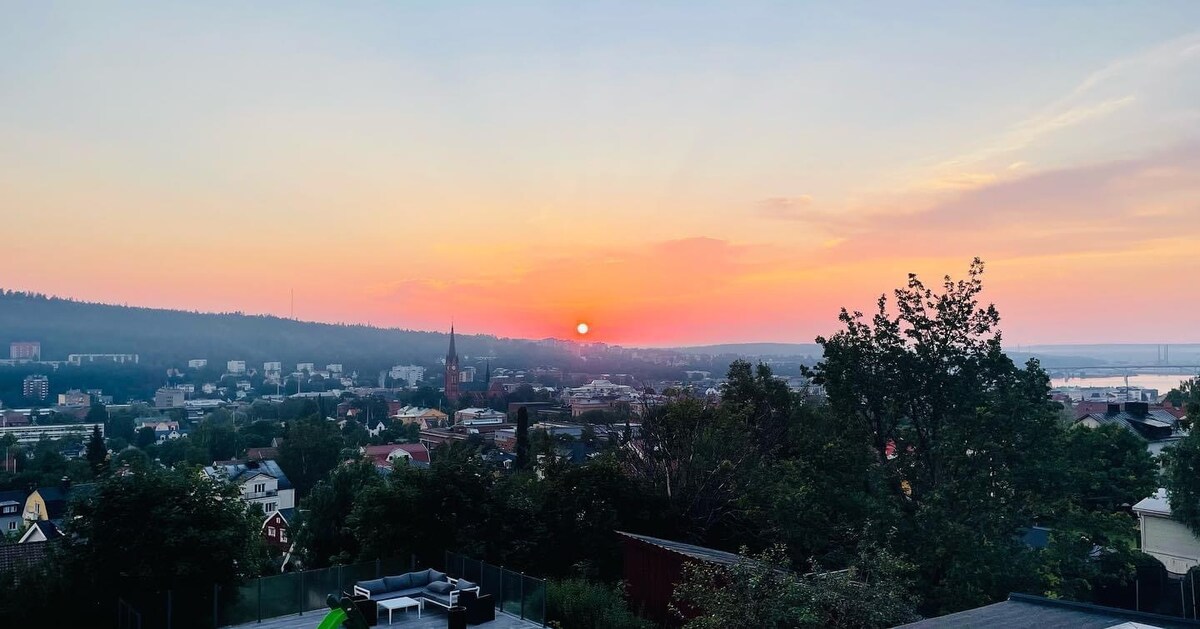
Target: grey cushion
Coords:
[(464, 584), (434, 575), (439, 587), (419, 579), (374, 586), (398, 582)]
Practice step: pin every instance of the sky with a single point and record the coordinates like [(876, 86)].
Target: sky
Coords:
[(670, 173)]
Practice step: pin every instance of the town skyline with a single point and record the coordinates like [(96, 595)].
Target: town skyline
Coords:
[(669, 175)]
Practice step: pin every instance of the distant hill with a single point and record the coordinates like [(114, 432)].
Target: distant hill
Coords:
[(172, 337), (754, 350)]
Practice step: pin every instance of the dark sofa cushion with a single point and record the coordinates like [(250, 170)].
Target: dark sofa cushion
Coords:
[(434, 575), (439, 587), (419, 579), (374, 586), (399, 582), (464, 584)]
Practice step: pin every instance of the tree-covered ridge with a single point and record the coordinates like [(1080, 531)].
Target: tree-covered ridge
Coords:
[(171, 337)]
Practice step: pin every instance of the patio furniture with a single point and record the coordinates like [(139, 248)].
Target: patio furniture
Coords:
[(431, 586), (367, 608), (403, 602), (480, 609), (456, 617)]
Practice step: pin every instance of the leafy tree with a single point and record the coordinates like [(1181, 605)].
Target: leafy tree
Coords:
[(97, 453), (582, 604), (323, 535), (310, 450), (145, 437), (1108, 468), (761, 592), (158, 529), (965, 440), (120, 425), (1187, 397), (1181, 476), (97, 414), (522, 438), (216, 438)]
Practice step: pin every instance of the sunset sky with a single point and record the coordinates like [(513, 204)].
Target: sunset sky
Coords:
[(670, 173)]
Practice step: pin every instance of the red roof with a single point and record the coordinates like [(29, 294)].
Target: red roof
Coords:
[(417, 451)]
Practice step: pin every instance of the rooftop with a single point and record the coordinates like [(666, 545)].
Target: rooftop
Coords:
[(1035, 612)]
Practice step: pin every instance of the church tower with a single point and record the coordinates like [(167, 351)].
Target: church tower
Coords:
[(452, 370)]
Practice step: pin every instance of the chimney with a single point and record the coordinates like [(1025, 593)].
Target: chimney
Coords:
[(1137, 409), (1113, 409)]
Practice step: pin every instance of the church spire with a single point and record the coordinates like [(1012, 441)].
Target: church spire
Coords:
[(451, 354), (452, 375)]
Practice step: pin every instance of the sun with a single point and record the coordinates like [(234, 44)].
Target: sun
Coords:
[(582, 328)]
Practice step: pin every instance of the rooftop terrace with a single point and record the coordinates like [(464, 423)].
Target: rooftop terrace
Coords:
[(431, 618)]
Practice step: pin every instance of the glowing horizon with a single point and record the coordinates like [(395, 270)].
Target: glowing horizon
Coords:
[(668, 174)]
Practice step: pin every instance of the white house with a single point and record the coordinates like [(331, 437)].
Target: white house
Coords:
[(235, 366), (1165, 539), (262, 483), (479, 417)]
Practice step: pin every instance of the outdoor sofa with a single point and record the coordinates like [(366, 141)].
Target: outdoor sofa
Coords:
[(432, 586)]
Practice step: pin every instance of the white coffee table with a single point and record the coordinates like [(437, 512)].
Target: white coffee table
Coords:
[(403, 602)]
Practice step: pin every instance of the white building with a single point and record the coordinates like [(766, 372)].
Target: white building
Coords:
[(87, 359), (33, 434), (1165, 539), (479, 417), (235, 366), (305, 367), (412, 374), (197, 363), (273, 366), (262, 483), (168, 398), (334, 368)]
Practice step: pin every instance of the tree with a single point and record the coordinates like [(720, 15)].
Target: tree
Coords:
[(762, 592), (965, 440), (145, 437), (97, 453), (578, 603), (522, 438), (1187, 397), (159, 529), (323, 536), (97, 414), (1181, 475), (1108, 468), (310, 450)]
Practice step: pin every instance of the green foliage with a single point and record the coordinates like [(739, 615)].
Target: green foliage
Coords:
[(323, 533), (97, 453), (309, 451), (161, 528), (522, 438), (763, 593), (1107, 467), (1181, 476), (582, 604)]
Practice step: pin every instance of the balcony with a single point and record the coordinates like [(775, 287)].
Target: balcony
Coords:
[(255, 495)]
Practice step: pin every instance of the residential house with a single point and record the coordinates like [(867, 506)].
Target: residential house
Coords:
[(169, 398), (378, 428), (423, 417), (275, 528), (40, 531), (261, 454), (1166, 539), (74, 397), (50, 503), (1157, 427), (384, 456), (163, 429), (1026, 610), (654, 566), (262, 483), (11, 504)]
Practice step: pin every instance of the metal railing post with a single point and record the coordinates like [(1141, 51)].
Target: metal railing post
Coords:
[(216, 598), (522, 596), (300, 596), (169, 612), (260, 600)]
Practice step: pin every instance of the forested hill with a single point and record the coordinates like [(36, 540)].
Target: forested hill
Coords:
[(171, 337)]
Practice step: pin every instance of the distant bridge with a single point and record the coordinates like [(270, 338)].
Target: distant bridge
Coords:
[(1161, 368)]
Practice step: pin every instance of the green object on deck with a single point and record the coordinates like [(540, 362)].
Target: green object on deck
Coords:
[(343, 614), (333, 620)]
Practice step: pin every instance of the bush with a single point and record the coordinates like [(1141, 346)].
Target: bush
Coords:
[(582, 604)]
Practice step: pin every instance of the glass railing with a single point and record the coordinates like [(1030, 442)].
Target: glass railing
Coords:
[(298, 593), (514, 592)]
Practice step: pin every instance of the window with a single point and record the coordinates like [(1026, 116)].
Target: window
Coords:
[(10, 509), (282, 534), (270, 507), (12, 526), (260, 488), (270, 531)]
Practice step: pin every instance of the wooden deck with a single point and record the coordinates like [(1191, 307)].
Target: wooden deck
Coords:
[(432, 618)]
